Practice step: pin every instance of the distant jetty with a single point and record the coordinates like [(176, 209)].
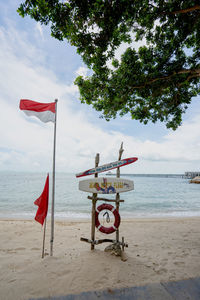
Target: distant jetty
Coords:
[(195, 180), (191, 174)]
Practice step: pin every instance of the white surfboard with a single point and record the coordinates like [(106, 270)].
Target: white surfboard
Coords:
[(107, 167), (104, 185)]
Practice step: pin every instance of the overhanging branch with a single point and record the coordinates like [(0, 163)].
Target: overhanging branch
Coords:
[(186, 10), (192, 74)]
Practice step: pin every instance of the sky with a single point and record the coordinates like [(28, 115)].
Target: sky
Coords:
[(38, 67)]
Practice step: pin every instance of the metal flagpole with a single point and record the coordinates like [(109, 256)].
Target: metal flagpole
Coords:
[(43, 244), (53, 184), (45, 224)]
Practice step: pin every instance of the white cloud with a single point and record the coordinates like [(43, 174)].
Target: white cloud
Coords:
[(27, 144), (82, 71), (39, 29)]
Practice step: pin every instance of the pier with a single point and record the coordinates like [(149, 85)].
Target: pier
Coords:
[(192, 174)]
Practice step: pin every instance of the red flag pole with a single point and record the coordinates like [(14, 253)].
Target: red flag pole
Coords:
[(53, 184), (45, 222)]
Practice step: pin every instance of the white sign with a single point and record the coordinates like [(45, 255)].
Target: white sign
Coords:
[(104, 185)]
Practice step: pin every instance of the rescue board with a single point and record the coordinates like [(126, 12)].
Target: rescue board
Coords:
[(107, 167), (104, 185)]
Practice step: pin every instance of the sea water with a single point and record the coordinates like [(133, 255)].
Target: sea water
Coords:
[(153, 196)]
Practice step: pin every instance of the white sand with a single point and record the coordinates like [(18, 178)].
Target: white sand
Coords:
[(159, 250)]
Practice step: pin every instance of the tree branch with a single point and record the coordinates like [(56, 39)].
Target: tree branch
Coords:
[(193, 73), (180, 11), (186, 10)]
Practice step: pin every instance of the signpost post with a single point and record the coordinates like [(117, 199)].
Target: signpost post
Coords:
[(94, 200), (118, 196)]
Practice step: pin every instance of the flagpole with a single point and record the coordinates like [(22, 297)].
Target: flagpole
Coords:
[(43, 244), (53, 183), (45, 223)]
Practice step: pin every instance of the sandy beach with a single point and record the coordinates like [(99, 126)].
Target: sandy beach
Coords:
[(159, 250)]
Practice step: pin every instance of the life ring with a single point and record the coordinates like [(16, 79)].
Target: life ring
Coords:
[(116, 224)]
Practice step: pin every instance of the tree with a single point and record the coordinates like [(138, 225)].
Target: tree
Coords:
[(158, 81)]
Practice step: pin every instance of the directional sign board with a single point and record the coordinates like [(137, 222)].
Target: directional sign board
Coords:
[(104, 185), (107, 167)]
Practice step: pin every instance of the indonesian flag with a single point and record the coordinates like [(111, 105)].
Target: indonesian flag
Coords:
[(42, 203), (44, 111)]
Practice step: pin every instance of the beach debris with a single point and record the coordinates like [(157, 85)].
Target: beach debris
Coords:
[(115, 249)]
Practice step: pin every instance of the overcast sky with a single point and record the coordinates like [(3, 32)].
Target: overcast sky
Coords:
[(35, 66)]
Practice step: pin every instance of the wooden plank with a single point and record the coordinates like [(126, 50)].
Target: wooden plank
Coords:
[(104, 199), (97, 242)]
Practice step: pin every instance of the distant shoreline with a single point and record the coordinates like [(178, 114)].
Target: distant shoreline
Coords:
[(148, 175)]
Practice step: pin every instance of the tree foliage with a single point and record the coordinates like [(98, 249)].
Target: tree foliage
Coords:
[(156, 82)]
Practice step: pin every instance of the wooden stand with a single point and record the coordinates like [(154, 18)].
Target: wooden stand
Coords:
[(117, 247)]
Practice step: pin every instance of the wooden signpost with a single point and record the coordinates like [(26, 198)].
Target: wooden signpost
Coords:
[(104, 185)]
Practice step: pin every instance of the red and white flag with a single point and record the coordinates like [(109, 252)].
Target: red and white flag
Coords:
[(42, 203), (44, 111)]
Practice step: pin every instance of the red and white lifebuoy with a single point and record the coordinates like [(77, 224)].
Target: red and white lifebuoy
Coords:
[(102, 228)]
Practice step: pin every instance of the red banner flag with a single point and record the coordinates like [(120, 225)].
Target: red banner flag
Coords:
[(42, 203), (43, 111)]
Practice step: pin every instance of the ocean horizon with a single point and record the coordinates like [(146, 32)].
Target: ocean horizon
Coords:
[(154, 196)]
